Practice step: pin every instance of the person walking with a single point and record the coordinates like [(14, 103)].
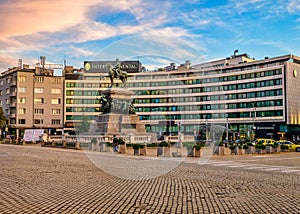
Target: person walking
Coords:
[(115, 144)]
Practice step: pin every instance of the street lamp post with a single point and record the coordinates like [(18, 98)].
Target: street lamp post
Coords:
[(227, 130), (179, 135), (253, 121)]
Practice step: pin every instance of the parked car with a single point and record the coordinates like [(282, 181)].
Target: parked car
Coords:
[(291, 146), (265, 141)]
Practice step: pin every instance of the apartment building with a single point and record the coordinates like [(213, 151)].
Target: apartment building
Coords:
[(32, 98)]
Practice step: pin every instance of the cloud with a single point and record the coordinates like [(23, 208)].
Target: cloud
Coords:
[(293, 6), (77, 52), (27, 17)]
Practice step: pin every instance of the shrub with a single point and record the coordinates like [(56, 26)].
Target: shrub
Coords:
[(260, 146), (284, 147), (121, 141), (135, 146), (138, 146), (109, 144), (188, 145), (163, 144), (219, 143), (245, 146), (275, 145), (198, 146), (232, 147), (249, 144), (151, 145)]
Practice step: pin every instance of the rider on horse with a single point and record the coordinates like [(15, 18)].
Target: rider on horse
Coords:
[(117, 72)]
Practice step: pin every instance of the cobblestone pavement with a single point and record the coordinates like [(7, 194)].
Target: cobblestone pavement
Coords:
[(44, 180)]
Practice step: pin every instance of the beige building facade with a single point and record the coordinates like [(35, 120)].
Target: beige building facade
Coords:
[(31, 98)]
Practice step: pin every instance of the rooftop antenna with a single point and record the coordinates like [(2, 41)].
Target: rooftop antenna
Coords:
[(20, 64), (43, 60), (235, 52), (65, 61)]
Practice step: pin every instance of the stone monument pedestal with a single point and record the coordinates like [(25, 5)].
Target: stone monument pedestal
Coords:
[(118, 117)]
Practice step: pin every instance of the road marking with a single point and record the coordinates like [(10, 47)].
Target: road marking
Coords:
[(251, 166)]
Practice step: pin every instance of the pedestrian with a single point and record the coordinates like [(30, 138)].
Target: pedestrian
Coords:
[(115, 144)]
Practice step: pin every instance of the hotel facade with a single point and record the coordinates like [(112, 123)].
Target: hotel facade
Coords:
[(251, 97)]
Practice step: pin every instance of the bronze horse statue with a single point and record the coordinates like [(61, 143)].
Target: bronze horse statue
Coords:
[(116, 72)]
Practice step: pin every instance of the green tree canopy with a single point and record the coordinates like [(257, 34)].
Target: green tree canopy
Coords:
[(2, 118), (83, 126)]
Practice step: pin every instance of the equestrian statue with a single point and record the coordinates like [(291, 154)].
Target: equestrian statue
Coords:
[(116, 72)]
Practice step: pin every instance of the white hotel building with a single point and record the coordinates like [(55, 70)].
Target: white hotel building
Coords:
[(248, 95)]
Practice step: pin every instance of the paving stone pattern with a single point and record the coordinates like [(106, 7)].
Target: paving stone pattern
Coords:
[(45, 180)]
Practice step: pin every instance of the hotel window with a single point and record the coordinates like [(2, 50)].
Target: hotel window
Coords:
[(38, 111), (278, 82), (56, 80), (278, 92), (38, 121), (55, 122), (22, 78), (39, 79), (22, 121), (7, 91), (69, 101), (278, 71), (55, 90), (251, 95), (69, 93), (22, 111), (21, 100), (38, 100), (1, 93), (7, 101), (56, 111), (55, 101), (22, 89), (1, 82), (38, 90)]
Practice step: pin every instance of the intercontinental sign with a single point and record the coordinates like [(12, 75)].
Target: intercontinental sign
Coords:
[(102, 66)]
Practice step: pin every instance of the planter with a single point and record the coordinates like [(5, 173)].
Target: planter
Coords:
[(143, 150), (218, 150), (93, 146), (190, 151), (151, 151), (163, 151), (122, 148), (108, 149), (102, 147), (260, 151), (250, 150), (197, 153), (277, 150), (269, 149), (234, 150), (240, 151), (77, 145), (136, 151), (129, 150)]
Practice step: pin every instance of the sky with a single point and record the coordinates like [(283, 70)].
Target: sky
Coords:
[(156, 32)]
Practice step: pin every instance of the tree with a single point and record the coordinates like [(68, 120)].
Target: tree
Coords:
[(83, 126), (2, 118)]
